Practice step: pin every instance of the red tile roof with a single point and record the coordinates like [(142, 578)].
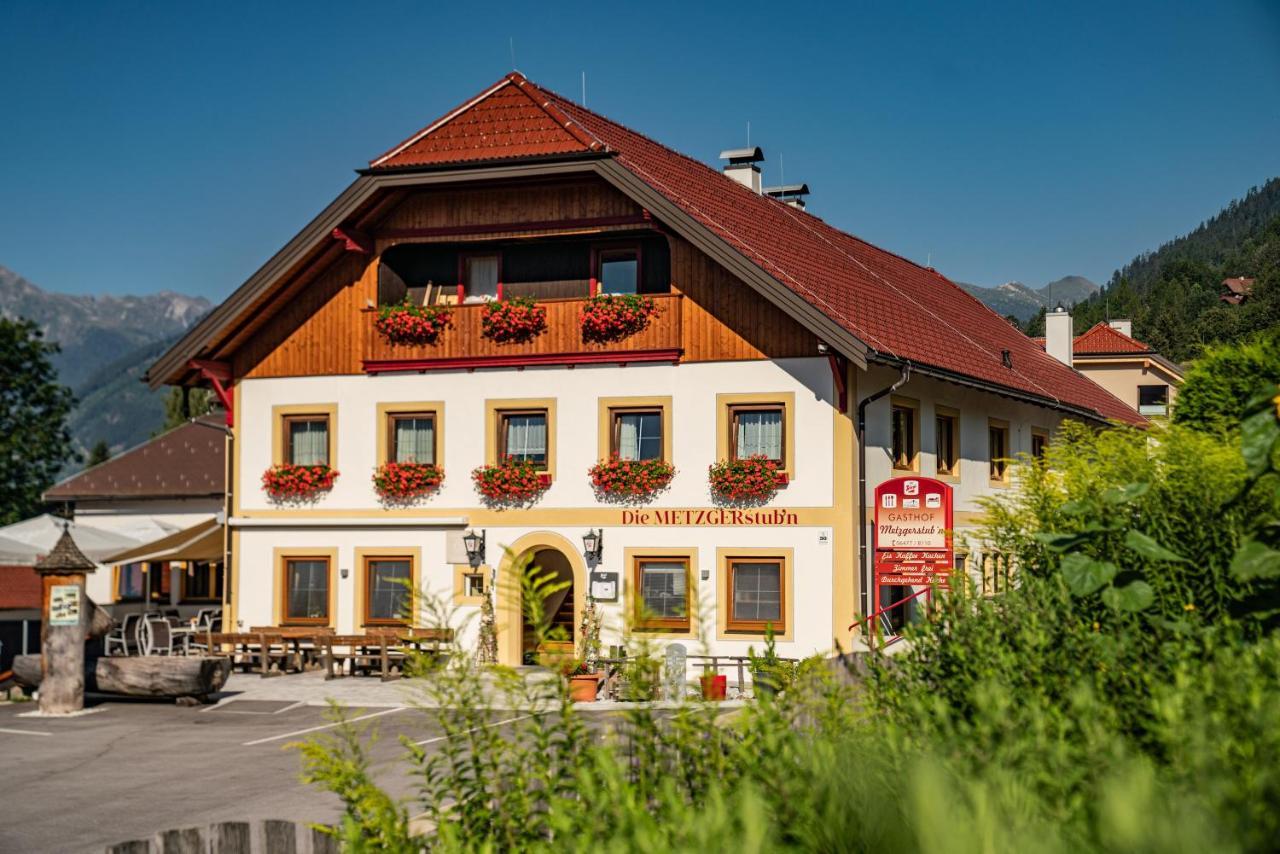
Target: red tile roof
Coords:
[(185, 462), (899, 309), (19, 587), (1102, 339), (513, 119), (1241, 285)]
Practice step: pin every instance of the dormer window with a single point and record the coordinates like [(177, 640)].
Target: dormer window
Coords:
[(619, 271)]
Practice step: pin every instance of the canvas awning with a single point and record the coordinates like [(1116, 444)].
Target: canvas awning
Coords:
[(199, 542)]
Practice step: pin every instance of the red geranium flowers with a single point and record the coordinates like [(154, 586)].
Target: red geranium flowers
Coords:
[(612, 317), (409, 323), (511, 481), (293, 482), (631, 478), (513, 321), (407, 481), (755, 478)]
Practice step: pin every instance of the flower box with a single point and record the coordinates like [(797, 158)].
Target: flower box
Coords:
[(407, 481), (631, 478), (409, 323), (755, 478), (513, 321), (613, 317), (287, 481), (510, 481)]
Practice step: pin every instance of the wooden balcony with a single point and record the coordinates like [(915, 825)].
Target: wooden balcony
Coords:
[(464, 347)]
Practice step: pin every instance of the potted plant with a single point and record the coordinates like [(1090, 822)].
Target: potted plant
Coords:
[(715, 686), (613, 317), (584, 681), (619, 478), (513, 321), (769, 673), (510, 481), (289, 482), (406, 481), (410, 323), (755, 478)]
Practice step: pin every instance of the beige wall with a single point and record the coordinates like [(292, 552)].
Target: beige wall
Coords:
[(1122, 378)]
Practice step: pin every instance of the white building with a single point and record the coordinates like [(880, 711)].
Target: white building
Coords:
[(773, 331)]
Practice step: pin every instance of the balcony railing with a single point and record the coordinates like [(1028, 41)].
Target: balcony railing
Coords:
[(463, 346)]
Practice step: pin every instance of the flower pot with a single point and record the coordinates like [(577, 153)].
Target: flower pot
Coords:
[(582, 689), (714, 687), (763, 684)]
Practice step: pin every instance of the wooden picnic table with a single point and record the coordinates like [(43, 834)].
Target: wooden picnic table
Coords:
[(381, 647), (295, 636), (252, 645)]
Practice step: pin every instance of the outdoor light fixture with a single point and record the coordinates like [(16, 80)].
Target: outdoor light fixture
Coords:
[(475, 546), (592, 542)]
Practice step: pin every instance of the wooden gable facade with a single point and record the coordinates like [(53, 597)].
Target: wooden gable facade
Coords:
[(321, 321)]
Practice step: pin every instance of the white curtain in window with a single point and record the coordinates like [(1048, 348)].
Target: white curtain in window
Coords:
[(527, 437), (310, 442), (639, 436), (482, 279), (760, 433), (415, 440)]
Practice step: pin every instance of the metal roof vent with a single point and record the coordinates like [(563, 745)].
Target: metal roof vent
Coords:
[(791, 194), (742, 166)]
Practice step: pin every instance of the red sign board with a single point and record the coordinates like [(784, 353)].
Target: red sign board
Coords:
[(913, 531)]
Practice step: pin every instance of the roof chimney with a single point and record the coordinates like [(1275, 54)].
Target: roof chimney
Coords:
[(742, 166), (1058, 337), (1124, 327), (791, 194)]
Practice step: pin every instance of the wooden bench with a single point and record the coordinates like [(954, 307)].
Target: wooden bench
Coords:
[(382, 648), (250, 649)]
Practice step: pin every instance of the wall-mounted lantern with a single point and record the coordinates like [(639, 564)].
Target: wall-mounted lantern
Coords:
[(474, 544), (592, 544)]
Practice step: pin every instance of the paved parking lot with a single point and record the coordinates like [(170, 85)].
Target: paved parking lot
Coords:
[(131, 769)]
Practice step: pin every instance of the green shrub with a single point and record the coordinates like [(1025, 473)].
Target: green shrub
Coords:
[(1220, 383)]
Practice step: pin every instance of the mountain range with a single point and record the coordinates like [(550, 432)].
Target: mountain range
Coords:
[(1023, 302), (107, 342)]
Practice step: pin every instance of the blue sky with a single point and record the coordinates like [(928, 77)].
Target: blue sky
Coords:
[(177, 146)]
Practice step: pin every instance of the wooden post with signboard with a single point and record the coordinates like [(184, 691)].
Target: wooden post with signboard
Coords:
[(913, 540), (66, 621)]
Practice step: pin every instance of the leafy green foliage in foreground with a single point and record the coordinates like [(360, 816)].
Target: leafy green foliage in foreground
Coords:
[(1125, 696)]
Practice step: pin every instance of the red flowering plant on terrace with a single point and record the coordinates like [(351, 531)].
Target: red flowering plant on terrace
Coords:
[(406, 481), (630, 479), (753, 479), (410, 323), (513, 321), (613, 317), (289, 482), (510, 481)]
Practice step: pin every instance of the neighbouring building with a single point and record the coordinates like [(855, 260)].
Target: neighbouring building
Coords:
[(776, 336), (1109, 355), (157, 508), (1236, 290)]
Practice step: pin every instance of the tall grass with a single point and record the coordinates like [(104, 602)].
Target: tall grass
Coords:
[(1075, 713)]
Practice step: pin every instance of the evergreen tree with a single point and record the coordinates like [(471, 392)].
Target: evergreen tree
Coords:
[(199, 401), (98, 454), (34, 439)]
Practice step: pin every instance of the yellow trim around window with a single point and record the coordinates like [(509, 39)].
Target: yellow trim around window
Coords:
[(279, 556), (724, 423), (954, 415), (1002, 425), (382, 426), (631, 596), (897, 402), (723, 603), (607, 405), (460, 572), (278, 415), (361, 572), (493, 408)]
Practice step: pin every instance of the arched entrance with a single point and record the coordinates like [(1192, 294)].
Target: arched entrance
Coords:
[(549, 553)]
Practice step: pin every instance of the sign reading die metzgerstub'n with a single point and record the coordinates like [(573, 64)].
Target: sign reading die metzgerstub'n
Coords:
[(913, 531)]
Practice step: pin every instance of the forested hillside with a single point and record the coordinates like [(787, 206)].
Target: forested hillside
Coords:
[(1171, 294)]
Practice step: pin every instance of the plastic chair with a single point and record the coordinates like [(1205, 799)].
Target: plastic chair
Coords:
[(158, 636), (121, 635)]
